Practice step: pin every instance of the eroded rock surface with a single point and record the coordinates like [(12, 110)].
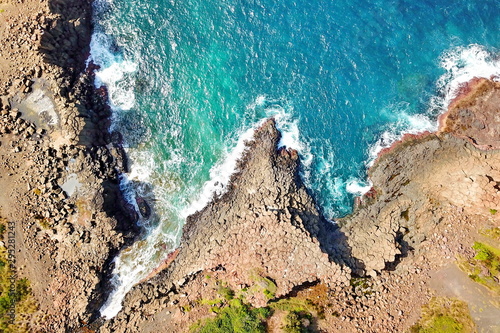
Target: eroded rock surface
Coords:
[(422, 178), (475, 114), (431, 193), (54, 127), (264, 225)]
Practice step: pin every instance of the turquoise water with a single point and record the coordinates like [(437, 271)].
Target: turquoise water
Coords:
[(189, 80)]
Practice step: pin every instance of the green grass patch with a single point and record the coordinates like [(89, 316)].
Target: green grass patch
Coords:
[(293, 304), (361, 286), (493, 211), (484, 268), (225, 292), (444, 315), (298, 322), (43, 222), (300, 314), (264, 285), (13, 293), (493, 233), (237, 317)]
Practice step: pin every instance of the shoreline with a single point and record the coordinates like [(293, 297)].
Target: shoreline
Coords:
[(72, 220), (264, 238), (399, 234)]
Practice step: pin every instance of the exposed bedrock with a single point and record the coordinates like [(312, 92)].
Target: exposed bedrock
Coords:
[(60, 166), (419, 179), (265, 224)]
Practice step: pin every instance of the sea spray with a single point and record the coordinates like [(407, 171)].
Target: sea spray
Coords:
[(128, 271), (115, 73), (221, 173)]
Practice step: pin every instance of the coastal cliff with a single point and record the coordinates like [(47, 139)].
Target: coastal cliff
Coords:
[(263, 241), (60, 167), (431, 194)]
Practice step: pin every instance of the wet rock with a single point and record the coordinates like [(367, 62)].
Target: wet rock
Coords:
[(144, 208)]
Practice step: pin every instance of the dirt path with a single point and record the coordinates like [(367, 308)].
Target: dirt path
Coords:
[(483, 304)]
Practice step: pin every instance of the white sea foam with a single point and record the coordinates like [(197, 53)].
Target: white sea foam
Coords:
[(358, 187), (461, 64), (128, 271), (115, 72), (288, 125), (221, 173), (407, 124)]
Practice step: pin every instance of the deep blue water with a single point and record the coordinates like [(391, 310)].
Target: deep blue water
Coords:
[(344, 78)]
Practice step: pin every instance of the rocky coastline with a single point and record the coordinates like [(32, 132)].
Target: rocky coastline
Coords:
[(264, 240), (432, 193), (60, 164)]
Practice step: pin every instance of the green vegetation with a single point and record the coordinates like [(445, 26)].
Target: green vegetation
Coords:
[(186, 308), (237, 317), (300, 313), (493, 233), (297, 322), (361, 286), (484, 268), (293, 304), (225, 292), (13, 293), (493, 211), (444, 315), (264, 285), (43, 222)]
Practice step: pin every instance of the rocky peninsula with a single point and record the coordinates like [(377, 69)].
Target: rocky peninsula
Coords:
[(373, 270), (263, 244)]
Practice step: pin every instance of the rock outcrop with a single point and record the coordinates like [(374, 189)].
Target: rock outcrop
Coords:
[(266, 224), (475, 114), (60, 168), (59, 175), (423, 177)]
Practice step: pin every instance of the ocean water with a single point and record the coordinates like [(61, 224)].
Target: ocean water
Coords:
[(190, 80)]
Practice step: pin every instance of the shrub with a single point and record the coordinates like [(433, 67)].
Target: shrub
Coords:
[(484, 267), (444, 315), (226, 292), (297, 322), (237, 317), (293, 304), (21, 297)]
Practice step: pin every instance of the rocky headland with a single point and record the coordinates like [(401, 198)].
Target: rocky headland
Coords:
[(264, 241), (432, 194)]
